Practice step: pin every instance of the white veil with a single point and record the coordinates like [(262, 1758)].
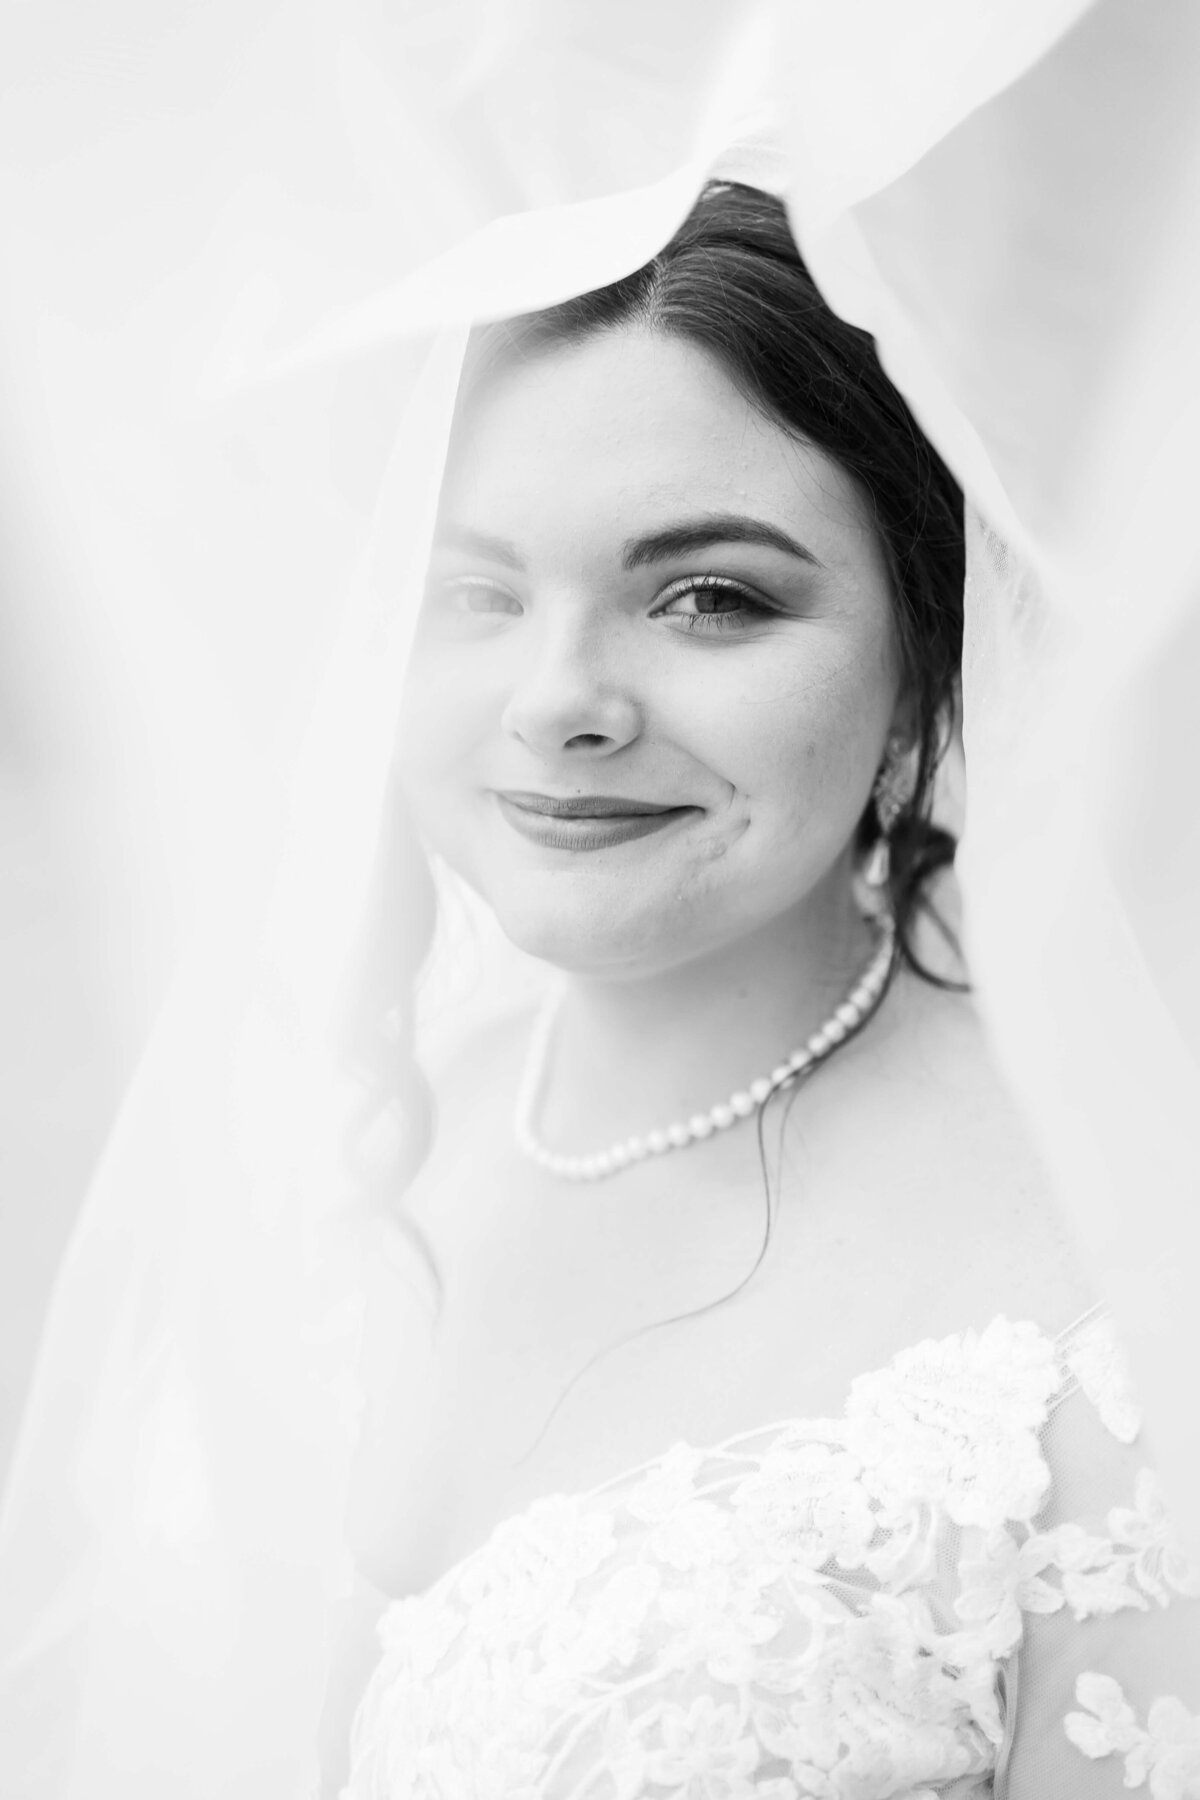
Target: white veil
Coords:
[(171, 1550)]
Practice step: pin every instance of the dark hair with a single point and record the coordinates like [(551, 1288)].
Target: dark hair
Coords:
[(732, 281)]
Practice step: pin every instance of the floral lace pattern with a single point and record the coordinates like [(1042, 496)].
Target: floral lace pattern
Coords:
[(1164, 1753), (1097, 1360), (820, 1610)]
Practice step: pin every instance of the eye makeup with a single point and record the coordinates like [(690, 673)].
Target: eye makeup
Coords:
[(742, 605)]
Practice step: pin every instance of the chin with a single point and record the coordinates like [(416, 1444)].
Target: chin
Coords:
[(582, 944), (595, 937), (578, 951)]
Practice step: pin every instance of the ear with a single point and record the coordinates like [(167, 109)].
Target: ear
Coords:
[(904, 731)]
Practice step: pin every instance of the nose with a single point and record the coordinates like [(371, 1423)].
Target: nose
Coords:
[(573, 691)]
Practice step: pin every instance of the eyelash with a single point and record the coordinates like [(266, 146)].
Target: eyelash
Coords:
[(702, 622), (697, 623)]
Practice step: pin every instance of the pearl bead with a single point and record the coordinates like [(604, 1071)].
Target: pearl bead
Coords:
[(846, 1017)]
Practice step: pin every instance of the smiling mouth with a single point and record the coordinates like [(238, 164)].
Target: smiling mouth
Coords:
[(585, 822)]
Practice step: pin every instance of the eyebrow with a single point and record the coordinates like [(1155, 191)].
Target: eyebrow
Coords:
[(657, 546), (477, 543), (712, 528)]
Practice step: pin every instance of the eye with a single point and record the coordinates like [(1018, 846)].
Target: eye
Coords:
[(712, 604), (473, 596)]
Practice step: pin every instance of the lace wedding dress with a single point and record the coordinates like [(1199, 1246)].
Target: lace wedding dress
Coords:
[(964, 1584)]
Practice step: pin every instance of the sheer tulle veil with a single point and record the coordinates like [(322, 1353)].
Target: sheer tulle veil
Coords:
[(171, 1549)]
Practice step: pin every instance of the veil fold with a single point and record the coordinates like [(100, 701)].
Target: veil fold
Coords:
[(171, 1548)]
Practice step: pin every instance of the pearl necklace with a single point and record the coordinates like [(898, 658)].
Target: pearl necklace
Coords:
[(858, 1004)]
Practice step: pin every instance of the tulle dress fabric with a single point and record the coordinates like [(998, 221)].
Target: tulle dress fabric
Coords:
[(1004, 195), (964, 1584)]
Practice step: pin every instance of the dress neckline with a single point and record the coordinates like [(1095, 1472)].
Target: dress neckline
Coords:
[(795, 1422), (768, 1429)]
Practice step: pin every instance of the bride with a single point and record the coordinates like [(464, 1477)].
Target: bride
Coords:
[(762, 1433)]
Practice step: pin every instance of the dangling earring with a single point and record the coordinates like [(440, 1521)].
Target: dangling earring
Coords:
[(891, 794)]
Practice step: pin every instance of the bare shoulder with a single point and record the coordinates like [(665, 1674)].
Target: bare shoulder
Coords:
[(1024, 1246), (967, 1203)]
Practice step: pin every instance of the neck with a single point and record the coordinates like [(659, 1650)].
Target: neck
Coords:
[(631, 1053)]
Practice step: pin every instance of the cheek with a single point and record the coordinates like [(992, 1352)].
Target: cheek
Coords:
[(434, 750), (798, 740), (441, 721)]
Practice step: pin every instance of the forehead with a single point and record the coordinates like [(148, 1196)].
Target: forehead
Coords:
[(595, 439)]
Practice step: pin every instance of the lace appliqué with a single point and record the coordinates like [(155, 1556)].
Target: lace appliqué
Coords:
[(956, 1423), (1137, 1561), (1098, 1362), (807, 1506), (1165, 1753), (816, 1611)]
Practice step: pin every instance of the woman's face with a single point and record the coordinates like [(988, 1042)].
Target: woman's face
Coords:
[(656, 667)]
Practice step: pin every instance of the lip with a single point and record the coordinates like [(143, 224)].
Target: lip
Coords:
[(590, 806), (587, 821)]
